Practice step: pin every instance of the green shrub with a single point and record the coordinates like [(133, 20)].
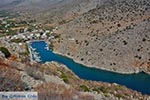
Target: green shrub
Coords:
[(119, 96), (106, 95), (17, 40), (95, 89), (64, 77), (24, 53), (104, 89), (5, 51), (85, 88)]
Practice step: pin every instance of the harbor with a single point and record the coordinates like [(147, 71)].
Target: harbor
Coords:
[(137, 81)]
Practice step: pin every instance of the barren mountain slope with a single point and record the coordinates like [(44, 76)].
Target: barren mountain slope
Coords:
[(60, 12), (49, 11), (113, 36)]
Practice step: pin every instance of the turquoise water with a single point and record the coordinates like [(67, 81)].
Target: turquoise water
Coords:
[(139, 82)]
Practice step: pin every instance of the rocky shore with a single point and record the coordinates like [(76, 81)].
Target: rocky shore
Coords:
[(127, 71)]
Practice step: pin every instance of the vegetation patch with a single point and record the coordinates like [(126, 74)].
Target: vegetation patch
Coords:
[(64, 77), (17, 40), (5, 51), (85, 88), (104, 89)]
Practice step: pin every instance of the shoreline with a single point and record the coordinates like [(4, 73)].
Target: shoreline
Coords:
[(29, 48), (31, 58), (92, 66), (87, 65)]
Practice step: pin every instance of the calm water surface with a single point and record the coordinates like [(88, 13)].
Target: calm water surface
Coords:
[(139, 82)]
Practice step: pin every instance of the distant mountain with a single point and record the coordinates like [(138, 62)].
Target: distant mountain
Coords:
[(51, 10), (5, 2), (35, 2), (15, 3)]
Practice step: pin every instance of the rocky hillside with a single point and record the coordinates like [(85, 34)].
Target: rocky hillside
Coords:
[(113, 36), (54, 81), (107, 34)]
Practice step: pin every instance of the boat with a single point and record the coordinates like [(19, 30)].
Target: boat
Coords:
[(36, 53), (47, 48), (37, 59)]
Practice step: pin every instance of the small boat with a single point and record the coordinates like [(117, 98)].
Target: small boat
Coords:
[(47, 48), (33, 49), (36, 56), (36, 53), (38, 60)]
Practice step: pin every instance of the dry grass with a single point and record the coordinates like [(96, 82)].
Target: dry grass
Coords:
[(10, 79)]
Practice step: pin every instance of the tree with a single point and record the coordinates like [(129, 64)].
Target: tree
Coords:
[(5, 51)]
